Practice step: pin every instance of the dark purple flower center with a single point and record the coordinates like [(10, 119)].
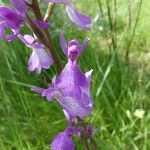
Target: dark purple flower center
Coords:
[(73, 52), (10, 16)]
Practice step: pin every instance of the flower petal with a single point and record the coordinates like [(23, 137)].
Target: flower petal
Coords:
[(38, 60), (79, 19), (62, 142), (2, 25), (63, 44), (49, 93), (12, 18), (84, 45), (73, 42), (20, 6), (88, 75), (12, 36), (29, 41), (74, 107), (38, 90)]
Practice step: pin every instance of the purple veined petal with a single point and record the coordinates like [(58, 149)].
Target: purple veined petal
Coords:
[(84, 18), (65, 2), (62, 142), (49, 93), (12, 36), (38, 90), (71, 76), (76, 94), (2, 25), (42, 24), (29, 41), (74, 83), (84, 45), (69, 117), (79, 19), (74, 107), (86, 99), (20, 6), (11, 17), (63, 44), (80, 78), (45, 59), (38, 60)]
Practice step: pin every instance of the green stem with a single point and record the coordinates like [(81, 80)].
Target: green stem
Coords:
[(93, 144)]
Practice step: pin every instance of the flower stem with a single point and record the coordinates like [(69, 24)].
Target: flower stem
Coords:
[(36, 10), (84, 135), (86, 144), (93, 143)]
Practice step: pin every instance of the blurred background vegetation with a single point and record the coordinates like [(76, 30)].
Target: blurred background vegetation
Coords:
[(119, 53)]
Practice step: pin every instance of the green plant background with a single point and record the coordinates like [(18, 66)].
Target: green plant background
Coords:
[(119, 54)]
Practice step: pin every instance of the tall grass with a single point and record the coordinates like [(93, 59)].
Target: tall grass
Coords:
[(120, 82)]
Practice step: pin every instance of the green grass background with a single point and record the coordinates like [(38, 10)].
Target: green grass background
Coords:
[(120, 82)]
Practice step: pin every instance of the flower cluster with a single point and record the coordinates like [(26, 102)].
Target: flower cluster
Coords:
[(71, 89)]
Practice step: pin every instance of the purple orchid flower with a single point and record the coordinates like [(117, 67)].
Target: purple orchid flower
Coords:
[(12, 18), (62, 142), (39, 58), (72, 88), (9, 18), (79, 19), (70, 105)]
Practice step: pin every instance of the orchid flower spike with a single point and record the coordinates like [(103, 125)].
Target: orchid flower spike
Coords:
[(12, 18), (39, 58), (79, 19)]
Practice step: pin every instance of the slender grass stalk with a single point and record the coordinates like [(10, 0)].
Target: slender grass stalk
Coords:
[(114, 54), (133, 33)]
